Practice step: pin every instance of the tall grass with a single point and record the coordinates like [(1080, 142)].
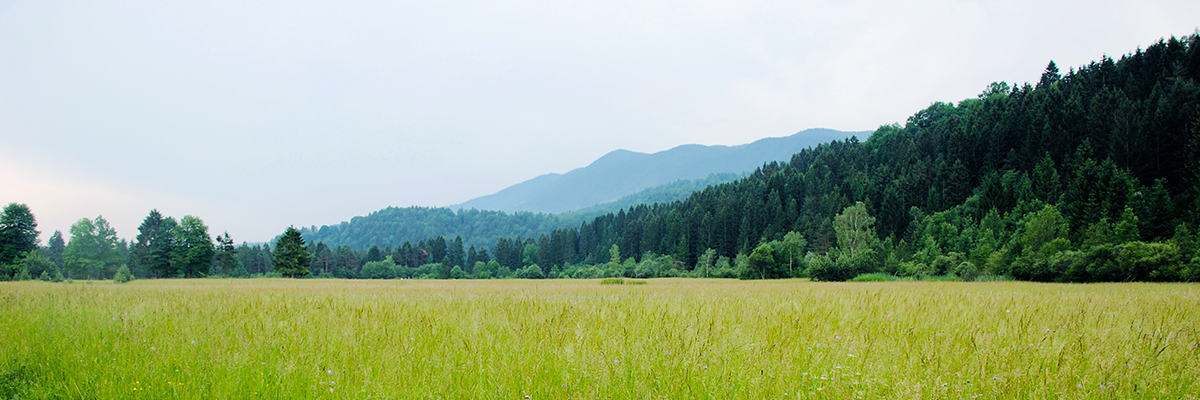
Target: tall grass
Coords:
[(277, 338)]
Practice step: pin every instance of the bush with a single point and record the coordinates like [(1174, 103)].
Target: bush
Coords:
[(385, 269), (587, 273), (123, 275), (993, 278), (612, 281), (458, 273), (533, 271), (23, 275), (45, 277), (967, 271)]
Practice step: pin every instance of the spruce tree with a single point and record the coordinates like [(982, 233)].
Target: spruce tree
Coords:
[(291, 259)]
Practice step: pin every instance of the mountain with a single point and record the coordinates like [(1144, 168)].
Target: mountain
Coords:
[(665, 193), (392, 226), (622, 172)]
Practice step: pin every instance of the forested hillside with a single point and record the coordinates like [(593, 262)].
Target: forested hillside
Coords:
[(392, 226), (1087, 175)]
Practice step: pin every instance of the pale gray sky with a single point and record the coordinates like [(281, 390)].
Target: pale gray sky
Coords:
[(259, 115)]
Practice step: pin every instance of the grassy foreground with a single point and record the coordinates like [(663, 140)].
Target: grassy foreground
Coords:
[(578, 339)]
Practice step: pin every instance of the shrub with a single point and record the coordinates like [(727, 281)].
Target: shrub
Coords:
[(587, 273), (993, 278), (378, 270), (874, 277), (23, 275), (123, 275), (612, 281), (533, 271)]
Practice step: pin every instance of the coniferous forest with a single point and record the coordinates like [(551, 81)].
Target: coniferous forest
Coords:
[(1090, 174)]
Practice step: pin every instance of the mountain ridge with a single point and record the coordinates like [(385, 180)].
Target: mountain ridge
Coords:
[(622, 172)]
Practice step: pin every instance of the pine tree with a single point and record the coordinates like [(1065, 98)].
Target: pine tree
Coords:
[(147, 255), (291, 259), (226, 260), (455, 251), (56, 248)]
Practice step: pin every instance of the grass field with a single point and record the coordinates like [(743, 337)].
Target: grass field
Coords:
[(510, 339)]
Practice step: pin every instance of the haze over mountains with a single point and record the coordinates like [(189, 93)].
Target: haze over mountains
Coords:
[(623, 172)]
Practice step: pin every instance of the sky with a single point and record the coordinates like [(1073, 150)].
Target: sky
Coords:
[(257, 115)]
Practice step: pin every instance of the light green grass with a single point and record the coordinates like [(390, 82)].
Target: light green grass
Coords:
[(672, 338)]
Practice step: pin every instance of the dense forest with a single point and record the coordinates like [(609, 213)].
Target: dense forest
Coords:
[(1087, 175)]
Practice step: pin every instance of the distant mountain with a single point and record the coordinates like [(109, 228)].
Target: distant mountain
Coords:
[(622, 172), (392, 226), (666, 193)]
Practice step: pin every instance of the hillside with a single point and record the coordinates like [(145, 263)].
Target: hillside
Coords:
[(622, 172), (1091, 175), (391, 227)]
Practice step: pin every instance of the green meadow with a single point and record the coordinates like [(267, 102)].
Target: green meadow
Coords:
[(578, 339)]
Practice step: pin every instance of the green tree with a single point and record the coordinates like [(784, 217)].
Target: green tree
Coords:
[(226, 260), (122, 275), (55, 249), (150, 254), (792, 248), (374, 254), (291, 259), (37, 264), (1045, 226), (762, 261), (853, 229), (705, 262), (193, 251), (18, 234), (614, 257), (444, 268), (455, 251), (1046, 183), (93, 251)]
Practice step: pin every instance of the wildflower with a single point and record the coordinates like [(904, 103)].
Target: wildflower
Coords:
[(330, 371)]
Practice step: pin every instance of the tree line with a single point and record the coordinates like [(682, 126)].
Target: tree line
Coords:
[(1091, 175)]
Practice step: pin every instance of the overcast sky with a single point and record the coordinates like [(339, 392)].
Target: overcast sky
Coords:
[(259, 115)]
